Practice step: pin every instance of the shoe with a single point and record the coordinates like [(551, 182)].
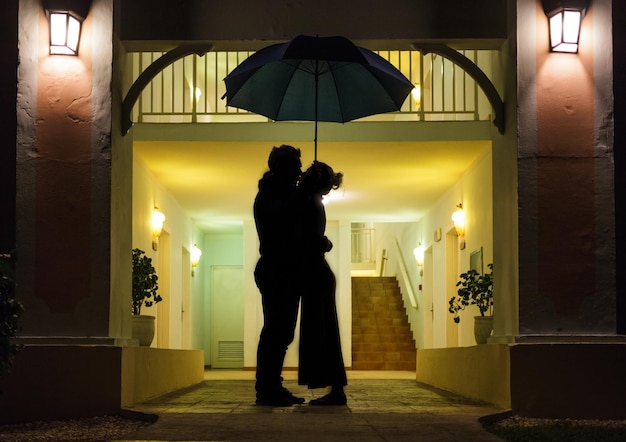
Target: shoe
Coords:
[(278, 398), (295, 399), (330, 399), (274, 401)]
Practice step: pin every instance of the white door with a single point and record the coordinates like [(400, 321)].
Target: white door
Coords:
[(227, 316), (429, 305), (163, 316), (185, 301), (452, 276)]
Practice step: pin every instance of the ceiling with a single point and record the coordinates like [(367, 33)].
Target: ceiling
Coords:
[(215, 182)]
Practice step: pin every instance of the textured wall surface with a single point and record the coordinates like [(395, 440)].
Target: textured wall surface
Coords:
[(567, 234), (64, 177)]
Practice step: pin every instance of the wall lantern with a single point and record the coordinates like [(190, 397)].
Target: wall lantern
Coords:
[(418, 252), (157, 226), (458, 218), (564, 19), (195, 258), (65, 19)]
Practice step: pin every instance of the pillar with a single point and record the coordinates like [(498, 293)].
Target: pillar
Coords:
[(566, 185), (66, 215)]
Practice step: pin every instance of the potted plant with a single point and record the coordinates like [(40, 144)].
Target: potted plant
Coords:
[(475, 289), (10, 313), (145, 292)]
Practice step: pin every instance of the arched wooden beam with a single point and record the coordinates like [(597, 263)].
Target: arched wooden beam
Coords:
[(151, 71), (474, 71)]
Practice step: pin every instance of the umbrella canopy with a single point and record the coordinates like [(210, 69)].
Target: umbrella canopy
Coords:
[(316, 79)]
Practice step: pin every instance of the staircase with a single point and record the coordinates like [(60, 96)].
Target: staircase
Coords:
[(381, 336)]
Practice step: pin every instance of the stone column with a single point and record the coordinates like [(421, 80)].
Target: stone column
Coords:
[(566, 179), (65, 214)]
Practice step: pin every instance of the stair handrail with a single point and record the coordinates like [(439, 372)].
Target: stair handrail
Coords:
[(405, 274), (383, 260)]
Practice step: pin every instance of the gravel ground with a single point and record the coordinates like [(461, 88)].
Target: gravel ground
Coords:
[(512, 428), (516, 421), (95, 428), (519, 429)]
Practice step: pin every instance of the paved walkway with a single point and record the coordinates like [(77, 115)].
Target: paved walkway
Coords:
[(391, 409)]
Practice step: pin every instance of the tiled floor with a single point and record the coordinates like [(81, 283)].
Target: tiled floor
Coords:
[(292, 375), (382, 406)]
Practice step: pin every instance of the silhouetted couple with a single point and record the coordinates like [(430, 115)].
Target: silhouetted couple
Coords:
[(291, 222)]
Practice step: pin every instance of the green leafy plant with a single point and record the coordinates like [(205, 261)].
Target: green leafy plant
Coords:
[(10, 313), (473, 289), (145, 282)]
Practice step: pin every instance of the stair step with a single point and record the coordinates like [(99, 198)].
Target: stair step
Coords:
[(381, 335), (380, 313), (376, 337), (384, 365), (386, 356), (399, 330), (381, 347)]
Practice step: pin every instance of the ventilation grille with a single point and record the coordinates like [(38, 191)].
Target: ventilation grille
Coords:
[(230, 350)]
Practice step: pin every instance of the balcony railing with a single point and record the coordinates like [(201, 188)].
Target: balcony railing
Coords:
[(190, 89), (363, 245)]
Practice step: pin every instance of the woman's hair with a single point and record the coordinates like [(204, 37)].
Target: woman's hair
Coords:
[(320, 176)]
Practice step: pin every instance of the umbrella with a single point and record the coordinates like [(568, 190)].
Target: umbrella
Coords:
[(316, 79)]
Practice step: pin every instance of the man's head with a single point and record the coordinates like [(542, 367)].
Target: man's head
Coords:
[(284, 162)]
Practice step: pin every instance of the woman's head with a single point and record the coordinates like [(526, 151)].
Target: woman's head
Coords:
[(320, 178)]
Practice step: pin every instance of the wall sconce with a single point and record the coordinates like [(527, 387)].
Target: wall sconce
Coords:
[(564, 19), (65, 19), (195, 258), (458, 218), (418, 252), (157, 226)]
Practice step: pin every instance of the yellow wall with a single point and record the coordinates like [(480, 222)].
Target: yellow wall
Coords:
[(580, 379), (179, 236), (150, 372), (474, 191), (70, 381), (480, 372)]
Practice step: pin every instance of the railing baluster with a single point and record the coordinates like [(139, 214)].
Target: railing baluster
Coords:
[(436, 103), (193, 95), (422, 85)]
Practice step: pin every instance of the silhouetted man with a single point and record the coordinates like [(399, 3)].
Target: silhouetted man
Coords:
[(276, 273)]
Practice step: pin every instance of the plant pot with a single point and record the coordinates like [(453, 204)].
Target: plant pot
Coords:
[(143, 329), (482, 328)]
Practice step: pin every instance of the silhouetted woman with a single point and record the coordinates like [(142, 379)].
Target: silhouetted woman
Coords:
[(321, 361)]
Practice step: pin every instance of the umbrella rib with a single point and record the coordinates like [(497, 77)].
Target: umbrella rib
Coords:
[(332, 71), (298, 67), (286, 86), (303, 67)]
